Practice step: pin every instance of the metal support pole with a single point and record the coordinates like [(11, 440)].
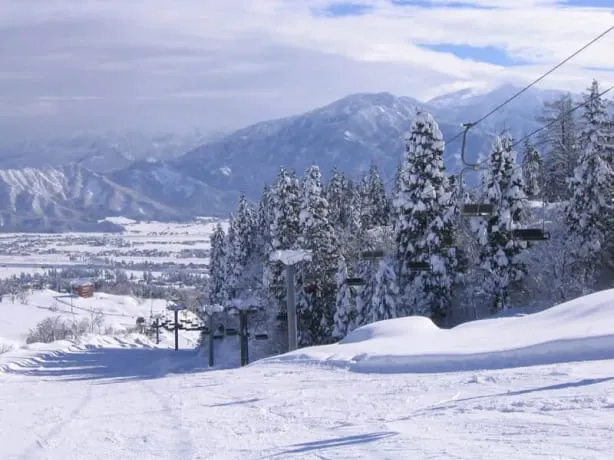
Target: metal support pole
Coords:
[(210, 327), (243, 335), (157, 326), (176, 329), (291, 306)]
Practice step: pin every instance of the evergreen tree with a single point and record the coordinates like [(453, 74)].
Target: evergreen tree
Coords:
[(499, 251), (532, 164), (561, 139), (386, 291), (343, 302), (284, 203), (217, 266), (424, 221), (317, 298), (337, 192), (589, 210), (364, 311), (240, 249), (375, 207)]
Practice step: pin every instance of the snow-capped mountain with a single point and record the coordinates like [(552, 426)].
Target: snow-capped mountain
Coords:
[(518, 115), (101, 152), (71, 197), (349, 134)]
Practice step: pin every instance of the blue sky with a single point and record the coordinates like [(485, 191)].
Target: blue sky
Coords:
[(219, 65)]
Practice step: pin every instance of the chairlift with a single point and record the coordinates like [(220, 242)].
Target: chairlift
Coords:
[(530, 234), (232, 331), (354, 281), (477, 209), (373, 255), (261, 336), (419, 266), (533, 233), (218, 336)]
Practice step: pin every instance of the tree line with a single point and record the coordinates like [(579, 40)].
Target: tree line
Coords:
[(435, 260)]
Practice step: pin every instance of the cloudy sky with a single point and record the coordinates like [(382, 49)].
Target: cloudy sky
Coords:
[(220, 64)]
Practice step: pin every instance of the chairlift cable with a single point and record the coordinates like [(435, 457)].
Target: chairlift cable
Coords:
[(537, 80), (557, 119)]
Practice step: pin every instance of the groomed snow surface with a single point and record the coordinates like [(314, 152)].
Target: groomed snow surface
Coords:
[(533, 386)]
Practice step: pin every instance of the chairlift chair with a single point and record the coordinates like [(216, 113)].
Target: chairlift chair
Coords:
[(354, 281), (419, 266), (533, 233), (373, 255), (261, 336), (477, 209), (530, 234), (231, 331)]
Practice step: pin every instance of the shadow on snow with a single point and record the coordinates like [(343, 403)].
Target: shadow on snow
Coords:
[(336, 442), (113, 364)]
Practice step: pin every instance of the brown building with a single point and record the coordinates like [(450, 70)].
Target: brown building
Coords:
[(83, 288)]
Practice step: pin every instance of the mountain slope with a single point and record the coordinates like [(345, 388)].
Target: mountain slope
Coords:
[(348, 134), (71, 197)]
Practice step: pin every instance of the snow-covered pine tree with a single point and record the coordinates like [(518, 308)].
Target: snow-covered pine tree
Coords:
[(241, 240), (217, 266), (343, 302), (229, 244), (561, 152), (589, 210), (339, 194), (316, 298), (386, 291), (499, 251), (375, 206), (364, 313), (423, 220), (284, 203), (532, 165)]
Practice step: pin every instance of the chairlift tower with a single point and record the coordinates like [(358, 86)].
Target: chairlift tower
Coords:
[(290, 258), (176, 308)]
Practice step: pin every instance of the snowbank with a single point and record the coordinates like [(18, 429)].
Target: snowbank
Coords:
[(578, 330)]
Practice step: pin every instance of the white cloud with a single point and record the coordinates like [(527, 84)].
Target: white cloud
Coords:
[(221, 64)]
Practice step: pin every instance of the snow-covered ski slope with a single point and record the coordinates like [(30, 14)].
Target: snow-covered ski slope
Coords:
[(534, 386)]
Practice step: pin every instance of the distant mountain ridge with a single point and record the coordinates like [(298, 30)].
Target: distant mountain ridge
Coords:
[(100, 152), (349, 134)]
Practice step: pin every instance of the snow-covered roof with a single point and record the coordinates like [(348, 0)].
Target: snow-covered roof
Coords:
[(81, 282)]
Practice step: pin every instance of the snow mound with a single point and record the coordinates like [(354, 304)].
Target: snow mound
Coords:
[(579, 330), (415, 326)]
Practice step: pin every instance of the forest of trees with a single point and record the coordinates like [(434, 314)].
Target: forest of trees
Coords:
[(436, 261)]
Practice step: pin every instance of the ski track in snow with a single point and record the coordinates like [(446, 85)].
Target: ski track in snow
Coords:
[(127, 403)]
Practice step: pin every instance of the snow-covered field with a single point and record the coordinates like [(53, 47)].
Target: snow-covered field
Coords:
[(534, 386), (120, 314), (142, 242)]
